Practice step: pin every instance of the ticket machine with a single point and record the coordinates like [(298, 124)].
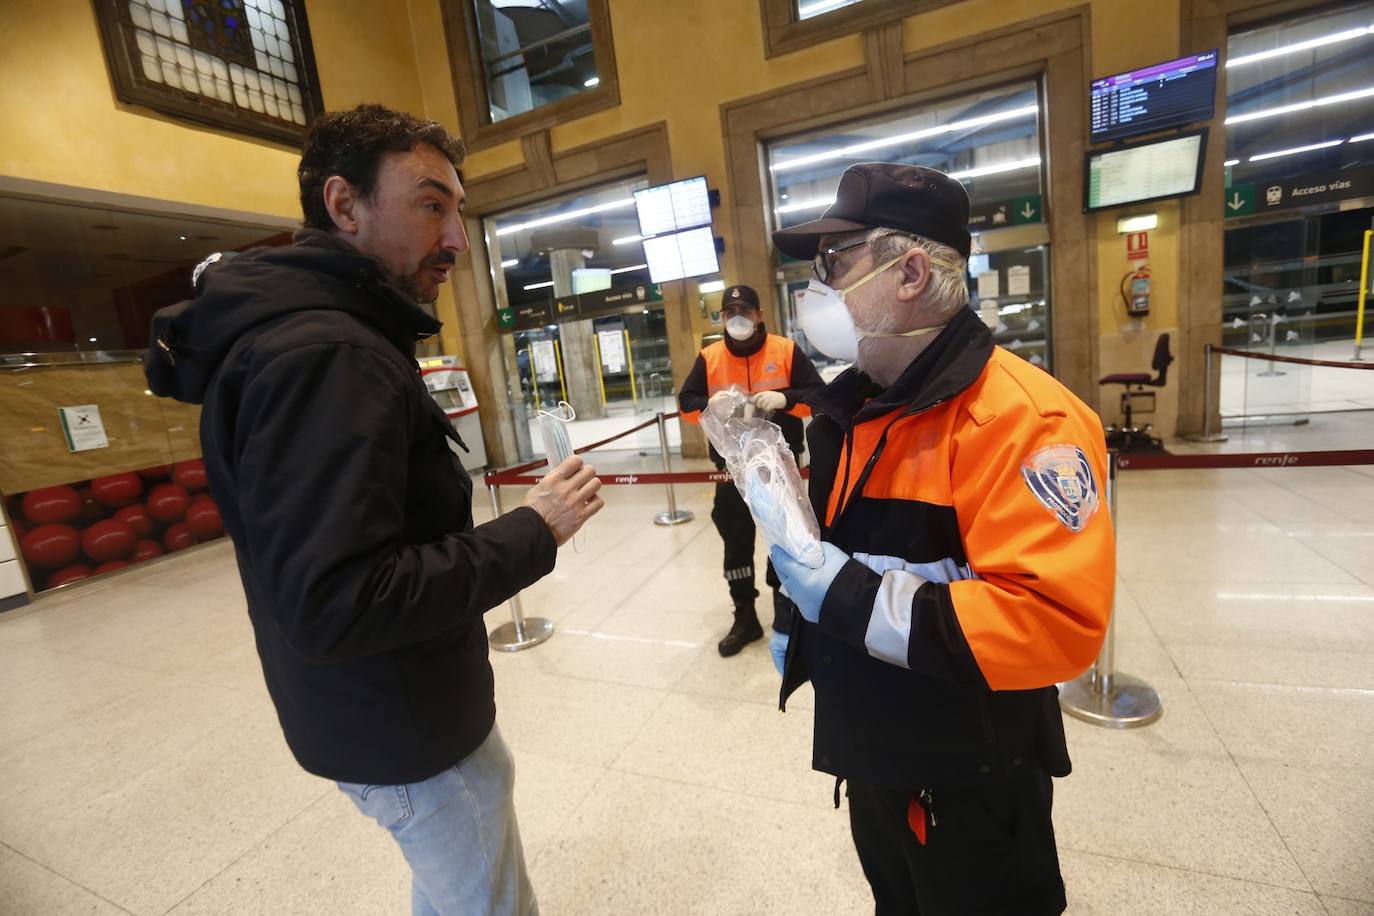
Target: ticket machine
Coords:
[(449, 384)]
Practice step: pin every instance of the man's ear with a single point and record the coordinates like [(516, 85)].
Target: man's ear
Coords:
[(342, 201), (915, 268)]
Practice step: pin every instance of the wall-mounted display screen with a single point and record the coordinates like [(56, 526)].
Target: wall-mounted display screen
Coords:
[(681, 255), (1145, 171), (1165, 95), (673, 207)]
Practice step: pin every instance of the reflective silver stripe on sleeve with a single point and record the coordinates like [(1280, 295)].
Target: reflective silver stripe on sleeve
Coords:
[(941, 572), (889, 626)]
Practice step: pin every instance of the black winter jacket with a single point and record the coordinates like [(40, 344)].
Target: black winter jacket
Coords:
[(366, 580)]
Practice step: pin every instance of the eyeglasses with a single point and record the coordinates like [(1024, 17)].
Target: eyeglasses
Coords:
[(824, 261)]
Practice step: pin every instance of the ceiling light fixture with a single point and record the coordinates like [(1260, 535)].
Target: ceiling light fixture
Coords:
[(816, 203), (545, 285), (564, 217), (1302, 106), (1295, 150), (1307, 45), (881, 142)]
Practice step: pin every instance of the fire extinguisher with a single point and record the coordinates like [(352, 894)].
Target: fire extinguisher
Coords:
[(1135, 291)]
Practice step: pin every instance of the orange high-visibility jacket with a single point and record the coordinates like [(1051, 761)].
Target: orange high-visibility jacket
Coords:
[(771, 364), (970, 496)]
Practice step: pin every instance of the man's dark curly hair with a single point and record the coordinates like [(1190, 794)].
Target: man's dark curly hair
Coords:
[(351, 144)]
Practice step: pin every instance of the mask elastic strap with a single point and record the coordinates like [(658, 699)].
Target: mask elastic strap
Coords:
[(919, 332)]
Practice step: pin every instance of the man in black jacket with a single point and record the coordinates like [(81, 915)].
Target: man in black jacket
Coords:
[(365, 577)]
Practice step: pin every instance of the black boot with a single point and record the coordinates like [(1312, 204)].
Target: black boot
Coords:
[(745, 631)]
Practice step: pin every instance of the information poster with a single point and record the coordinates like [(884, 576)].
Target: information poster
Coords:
[(545, 361), (989, 284), (83, 428), (612, 346), (1018, 281)]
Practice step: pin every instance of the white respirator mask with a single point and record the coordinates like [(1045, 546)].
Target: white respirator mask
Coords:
[(825, 319), (739, 327)]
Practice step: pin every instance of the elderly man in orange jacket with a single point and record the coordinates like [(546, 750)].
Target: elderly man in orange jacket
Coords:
[(969, 563)]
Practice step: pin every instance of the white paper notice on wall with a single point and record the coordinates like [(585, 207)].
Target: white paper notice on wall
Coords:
[(545, 361), (612, 345), (989, 284), (1018, 281), (83, 428)]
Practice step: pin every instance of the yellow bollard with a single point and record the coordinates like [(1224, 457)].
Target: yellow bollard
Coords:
[(534, 377), (558, 352), (630, 361), (1364, 290), (600, 379)]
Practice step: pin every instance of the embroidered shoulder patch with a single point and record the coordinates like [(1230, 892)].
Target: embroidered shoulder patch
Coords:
[(1061, 478)]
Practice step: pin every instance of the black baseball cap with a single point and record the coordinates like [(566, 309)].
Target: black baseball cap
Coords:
[(884, 195), (739, 295)]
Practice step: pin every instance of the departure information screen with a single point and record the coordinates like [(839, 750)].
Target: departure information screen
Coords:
[(1154, 98), (673, 207), (1147, 171), (681, 254)]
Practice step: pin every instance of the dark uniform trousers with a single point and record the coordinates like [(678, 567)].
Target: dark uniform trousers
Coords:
[(989, 852)]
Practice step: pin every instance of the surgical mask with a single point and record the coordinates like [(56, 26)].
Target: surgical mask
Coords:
[(739, 327), (775, 495), (553, 428), (824, 317)]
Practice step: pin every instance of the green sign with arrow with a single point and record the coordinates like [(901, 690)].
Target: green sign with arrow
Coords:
[(505, 319), (1240, 200), (1027, 210)]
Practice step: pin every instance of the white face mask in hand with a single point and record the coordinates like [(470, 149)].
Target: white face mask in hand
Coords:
[(825, 320), (739, 327)]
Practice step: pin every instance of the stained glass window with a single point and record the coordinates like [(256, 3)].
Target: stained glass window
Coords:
[(241, 63)]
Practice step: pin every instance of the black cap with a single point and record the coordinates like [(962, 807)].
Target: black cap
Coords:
[(874, 195), (742, 295)]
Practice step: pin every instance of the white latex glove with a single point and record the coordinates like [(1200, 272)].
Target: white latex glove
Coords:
[(770, 401)]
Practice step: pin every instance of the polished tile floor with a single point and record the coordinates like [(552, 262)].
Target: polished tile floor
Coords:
[(142, 770)]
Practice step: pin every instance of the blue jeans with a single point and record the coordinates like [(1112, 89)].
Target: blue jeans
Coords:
[(458, 832)]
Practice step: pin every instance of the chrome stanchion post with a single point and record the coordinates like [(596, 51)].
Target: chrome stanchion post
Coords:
[(1207, 434), (522, 632), (1102, 696), (673, 516)]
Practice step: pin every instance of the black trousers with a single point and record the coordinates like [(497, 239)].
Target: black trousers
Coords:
[(736, 526), (990, 851)]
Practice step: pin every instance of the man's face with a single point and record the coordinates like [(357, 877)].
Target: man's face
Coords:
[(413, 222), (871, 304), (740, 310)]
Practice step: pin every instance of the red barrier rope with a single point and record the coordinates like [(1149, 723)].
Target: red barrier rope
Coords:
[(1332, 364), (1129, 462), (520, 469), (631, 478)]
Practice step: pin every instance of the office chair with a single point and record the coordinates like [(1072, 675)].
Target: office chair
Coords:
[(1126, 435)]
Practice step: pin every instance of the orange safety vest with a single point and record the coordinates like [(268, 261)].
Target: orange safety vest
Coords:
[(770, 369)]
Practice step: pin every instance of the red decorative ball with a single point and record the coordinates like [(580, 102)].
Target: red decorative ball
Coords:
[(179, 537), (51, 505), (156, 473), (109, 540), (167, 503), (91, 511), (117, 490), (110, 566), (190, 475), (204, 520), (137, 518), (69, 575), (146, 550), (50, 546)]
